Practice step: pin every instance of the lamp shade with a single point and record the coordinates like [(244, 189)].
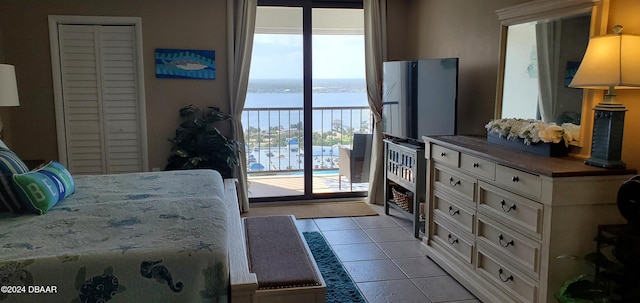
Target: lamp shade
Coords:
[(611, 60), (8, 86)]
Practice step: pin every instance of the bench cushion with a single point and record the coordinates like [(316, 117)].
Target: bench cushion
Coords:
[(277, 254)]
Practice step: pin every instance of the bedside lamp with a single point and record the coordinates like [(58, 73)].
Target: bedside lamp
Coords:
[(611, 62), (8, 87)]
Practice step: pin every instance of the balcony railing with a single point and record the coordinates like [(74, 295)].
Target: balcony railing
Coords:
[(274, 136)]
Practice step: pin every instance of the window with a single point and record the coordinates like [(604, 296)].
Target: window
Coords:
[(306, 96)]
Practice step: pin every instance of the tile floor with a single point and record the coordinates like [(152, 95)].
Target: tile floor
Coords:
[(383, 258)]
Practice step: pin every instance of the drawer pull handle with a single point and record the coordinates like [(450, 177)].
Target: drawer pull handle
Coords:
[(451, 240), (503, 203), (453, 213), (501, 276), (443, 154), (515, 179), (453, 184), (476, 165), (503, 242)]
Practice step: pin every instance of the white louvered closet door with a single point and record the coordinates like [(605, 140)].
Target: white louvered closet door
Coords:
[(100, 99)]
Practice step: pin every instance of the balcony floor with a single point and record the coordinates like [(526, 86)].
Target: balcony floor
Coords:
[(293, 185)]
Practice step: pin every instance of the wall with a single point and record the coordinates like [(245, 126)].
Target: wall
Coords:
[(466, 29), (625, 13), (193, 24), (470, 30), (398, 30), (4, 111)]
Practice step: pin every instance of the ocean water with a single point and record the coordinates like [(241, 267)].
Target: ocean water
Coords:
[(289, 100), (285, 110)]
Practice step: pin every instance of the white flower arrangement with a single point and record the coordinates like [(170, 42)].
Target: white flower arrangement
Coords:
[(532, 131)]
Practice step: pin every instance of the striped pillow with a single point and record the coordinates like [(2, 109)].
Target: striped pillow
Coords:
[(41, 189), (10, 164)]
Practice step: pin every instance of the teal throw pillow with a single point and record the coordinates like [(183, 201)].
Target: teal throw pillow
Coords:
[(41, 189), (10, 164)]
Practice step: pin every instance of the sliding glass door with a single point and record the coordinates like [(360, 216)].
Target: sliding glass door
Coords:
[(307, 102), (339, 100), (273, 116)]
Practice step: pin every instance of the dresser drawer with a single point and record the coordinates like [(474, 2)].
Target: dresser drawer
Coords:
[(455, 183), (520, 181), (445, 155), (448, 207), (523, 251), (510, 209), (453, 240), (478, 166), (506, 278)]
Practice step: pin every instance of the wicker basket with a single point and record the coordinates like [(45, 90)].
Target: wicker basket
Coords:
[(404, 200)]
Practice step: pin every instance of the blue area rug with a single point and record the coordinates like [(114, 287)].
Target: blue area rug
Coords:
[(340, 287)]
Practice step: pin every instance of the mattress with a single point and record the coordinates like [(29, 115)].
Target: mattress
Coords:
[(140, 237)]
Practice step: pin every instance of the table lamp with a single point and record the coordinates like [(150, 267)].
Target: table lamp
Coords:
[(8, 87), (610, 62)]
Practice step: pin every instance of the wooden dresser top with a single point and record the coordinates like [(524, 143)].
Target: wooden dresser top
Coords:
[(545, 166)]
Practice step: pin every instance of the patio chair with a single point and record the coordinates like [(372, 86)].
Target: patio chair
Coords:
[(354, 163)]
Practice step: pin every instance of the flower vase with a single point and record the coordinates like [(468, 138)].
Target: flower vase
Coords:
[(540, 148)]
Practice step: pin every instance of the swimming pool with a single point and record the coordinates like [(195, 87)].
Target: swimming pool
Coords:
[(316, 172)]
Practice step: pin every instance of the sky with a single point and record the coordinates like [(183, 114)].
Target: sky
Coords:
[(279, 56)]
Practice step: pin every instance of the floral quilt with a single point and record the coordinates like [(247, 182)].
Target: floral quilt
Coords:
[(140, 237)]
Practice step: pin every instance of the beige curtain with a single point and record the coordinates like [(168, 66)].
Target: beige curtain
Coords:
[(375, 40), (241, 23), (548, 51)]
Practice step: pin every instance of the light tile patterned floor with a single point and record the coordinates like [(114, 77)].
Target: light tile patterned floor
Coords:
[(382, 257)]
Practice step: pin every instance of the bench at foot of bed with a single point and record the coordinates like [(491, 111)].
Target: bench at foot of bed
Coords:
[(282, 262)]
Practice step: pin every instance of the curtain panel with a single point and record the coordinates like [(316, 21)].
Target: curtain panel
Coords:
[(241, 20), (375, 40), (548, 56)]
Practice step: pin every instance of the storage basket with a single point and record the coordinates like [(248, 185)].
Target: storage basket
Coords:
[(403, 199)]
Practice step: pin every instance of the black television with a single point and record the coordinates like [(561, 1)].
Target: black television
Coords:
[(419, 98)]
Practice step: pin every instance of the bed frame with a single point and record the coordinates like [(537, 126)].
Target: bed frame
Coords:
[(243, 282)]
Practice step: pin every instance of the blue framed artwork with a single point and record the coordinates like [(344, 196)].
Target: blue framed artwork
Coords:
[(185, 64)]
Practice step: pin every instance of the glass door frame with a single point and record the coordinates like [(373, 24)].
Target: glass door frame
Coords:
[(307, 36)]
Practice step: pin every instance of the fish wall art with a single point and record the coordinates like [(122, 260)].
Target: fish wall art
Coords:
[(185, 64)]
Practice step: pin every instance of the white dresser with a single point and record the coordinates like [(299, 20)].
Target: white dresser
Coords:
[(497, 219)]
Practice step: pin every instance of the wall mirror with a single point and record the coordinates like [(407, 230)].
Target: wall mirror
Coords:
[(542, 44)]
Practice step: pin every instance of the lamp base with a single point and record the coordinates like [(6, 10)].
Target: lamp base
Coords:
[(608, 128), (605, 163)]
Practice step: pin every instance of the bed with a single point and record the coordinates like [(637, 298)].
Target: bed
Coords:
[(171, 236)]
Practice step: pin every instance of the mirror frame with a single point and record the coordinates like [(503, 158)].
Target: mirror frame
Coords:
[(541, 10)]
